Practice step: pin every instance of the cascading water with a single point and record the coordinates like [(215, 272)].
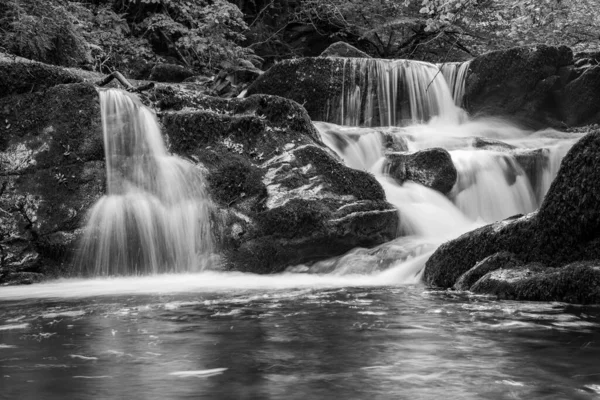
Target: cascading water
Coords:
[(155, 215), (392, 92), (455, 74), (416, 105)]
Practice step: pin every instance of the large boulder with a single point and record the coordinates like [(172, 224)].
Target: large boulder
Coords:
[(286, 199), (51, 172), (312, 82), (520, 83), (432, 168), (566, 229), (581, 98)]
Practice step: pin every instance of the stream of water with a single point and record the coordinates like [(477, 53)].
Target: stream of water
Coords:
[(356, 326)]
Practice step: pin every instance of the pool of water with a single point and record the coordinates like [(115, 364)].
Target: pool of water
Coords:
[(84, 340)]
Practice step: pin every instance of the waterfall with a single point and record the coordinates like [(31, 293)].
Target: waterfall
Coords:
[(455, 74), (155, 215), (379, 92), (491, 185)]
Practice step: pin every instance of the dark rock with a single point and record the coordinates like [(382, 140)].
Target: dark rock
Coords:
[(294, 201), (496, 261), (51, 172), (311, 82), (566, 229), (581, 98), (575, 283), (170, 73), (533, 162), (432, 168), (343, 49), (519, 83)]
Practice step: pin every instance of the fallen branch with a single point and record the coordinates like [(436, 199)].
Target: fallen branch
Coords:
[(123, 81)]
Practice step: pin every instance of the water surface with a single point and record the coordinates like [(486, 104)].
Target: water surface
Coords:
[(313, 339)]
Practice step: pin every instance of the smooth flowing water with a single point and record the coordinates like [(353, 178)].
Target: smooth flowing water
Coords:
[(356, 326), (215, 336)]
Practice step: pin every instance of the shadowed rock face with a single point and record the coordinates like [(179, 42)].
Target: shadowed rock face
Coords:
[(286, 199), (538, 86), (565, 230), (51, 172)]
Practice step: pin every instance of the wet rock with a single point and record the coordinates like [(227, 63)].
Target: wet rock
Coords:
[(575, 283), (170, 73), (533, 162), (432, 168), (343, 49), (566, 229), (311, 82), (496, 261), (51, 158), (520, 83), (289, 198)]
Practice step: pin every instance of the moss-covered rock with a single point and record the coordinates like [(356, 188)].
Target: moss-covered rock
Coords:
[(311, 82), (18, 77), (51, 172), (496, 261), (432, 168), (288, 199), (566, 229), (519, 83), (575, 283)]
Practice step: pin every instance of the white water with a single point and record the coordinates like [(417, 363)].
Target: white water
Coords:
[(392, 92), (152, 202), (155, 215)]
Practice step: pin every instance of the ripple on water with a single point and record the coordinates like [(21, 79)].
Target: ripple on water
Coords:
[(13, 327)]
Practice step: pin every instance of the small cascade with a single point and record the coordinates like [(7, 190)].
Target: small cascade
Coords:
[(392, 93), (455, 74), (491, 185), (155, 215)]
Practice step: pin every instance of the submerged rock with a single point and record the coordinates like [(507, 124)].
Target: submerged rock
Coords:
[(432, 168), (565, 230)]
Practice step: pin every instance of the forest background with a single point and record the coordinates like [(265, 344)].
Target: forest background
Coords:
[(208, 35)]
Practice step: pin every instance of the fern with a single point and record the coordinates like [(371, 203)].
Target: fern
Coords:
[(42, 30)]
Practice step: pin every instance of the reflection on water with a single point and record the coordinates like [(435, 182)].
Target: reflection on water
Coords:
[(303, 343)]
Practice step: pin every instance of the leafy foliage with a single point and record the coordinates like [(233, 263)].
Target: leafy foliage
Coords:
[(42, 30)]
